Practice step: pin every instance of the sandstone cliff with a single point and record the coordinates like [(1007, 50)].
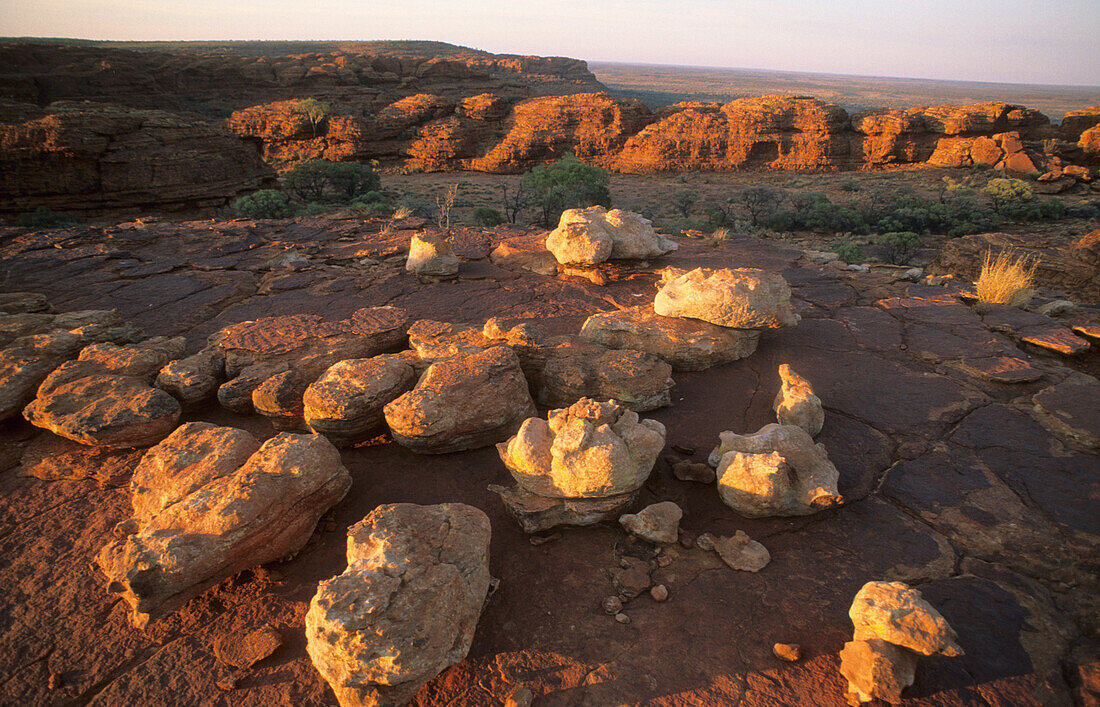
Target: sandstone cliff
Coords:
[(100, 157)]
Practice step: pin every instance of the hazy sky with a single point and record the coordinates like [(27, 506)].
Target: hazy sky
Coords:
[(1016, 41)]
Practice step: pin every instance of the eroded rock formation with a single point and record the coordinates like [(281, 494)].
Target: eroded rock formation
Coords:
[(593, 235), (742, 298), (406, 606)]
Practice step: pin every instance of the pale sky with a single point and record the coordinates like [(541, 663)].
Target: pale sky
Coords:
[(1012, 41)]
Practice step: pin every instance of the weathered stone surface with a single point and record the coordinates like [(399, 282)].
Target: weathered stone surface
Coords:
[(876, 670), (104, 410), (430, 254), (208, 504), (52, 458), (796, 404), (744, 298), (686, 470), (588, 450), (658, 523), (23, 303), (463, 402), (525, 257), (536, 513), (687, 344), (1001, 369), (896, 613), (577, 369), (236, 393), (242, 651), (194, 379), (345, 403), (434, 341), (593, 235), (1071, 410), (778, 471), (742, 553), (406, 606), (279, 399)]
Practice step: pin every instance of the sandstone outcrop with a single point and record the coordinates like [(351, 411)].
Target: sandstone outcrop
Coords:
[(84, 157), (36, 342), (687, 344), (406, 606), (210, 502), (430, 254), (743, 298), (796, 404), (594, 234), (581, 465), (463, 402), (893, 625), (345, 404), (658, 523), (105, 398), (778, 471)]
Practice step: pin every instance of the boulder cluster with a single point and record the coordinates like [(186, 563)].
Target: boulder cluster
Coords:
[(894, 625)]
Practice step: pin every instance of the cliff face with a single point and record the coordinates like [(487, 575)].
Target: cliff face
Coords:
[(495, 134), (216, 84), (105, 157)]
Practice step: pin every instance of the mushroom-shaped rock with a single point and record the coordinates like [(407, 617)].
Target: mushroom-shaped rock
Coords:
[(796, 404), (345, 403), (463, 402), (778, 471), (407, 605), (588, 450), (593, 235), (687, 344), (895, 612), (430, 254), (210, 502), (536, 513), (657, 523), (742, 552), (744, 298), (876, 669)]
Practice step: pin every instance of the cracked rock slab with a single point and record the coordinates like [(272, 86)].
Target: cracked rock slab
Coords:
[(407, 605)]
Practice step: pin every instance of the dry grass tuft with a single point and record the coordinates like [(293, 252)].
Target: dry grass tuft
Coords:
[(720, 234), (1005, 279), (402, 212)]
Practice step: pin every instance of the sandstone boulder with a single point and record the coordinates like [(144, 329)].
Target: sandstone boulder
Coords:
[(279, 399), (194, 379), (778, 471), (430, 254), (407, 605), (796, 404), (210, 502), (434, 341), (463, 402), (687, 344), (876, 670), (658, 523), (345, 403), (535, 513), (588, 450), (743, 298), (577, 368), (896, 613), (105, 398), (593, 235)]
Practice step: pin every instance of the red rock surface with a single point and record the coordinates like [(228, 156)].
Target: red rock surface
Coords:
[(952, 486)]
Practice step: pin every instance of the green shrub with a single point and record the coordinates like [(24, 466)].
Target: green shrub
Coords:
[(850, 185), (314, 208), (760, 202), (266, 203), (1004, 191), (371, 197), (315, 111), (565, 184), (417, 206), (832, 218), (849, 252), (322, 180), (897, 247), (45, 217), (486, 217), (684, 200)]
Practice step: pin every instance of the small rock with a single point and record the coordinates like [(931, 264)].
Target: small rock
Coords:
[(895, 612), (56, 681), (658, 523), (632, 579), (876, 669), (688, 470), (537, 540), (742, 552), (686, 451), (789, 652), (429, 254), (1058, 306), (227, 683), (622, 618), (243, 650), (796, 404), (913, 274), (705, 542), (612, 605), (659, 592)]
